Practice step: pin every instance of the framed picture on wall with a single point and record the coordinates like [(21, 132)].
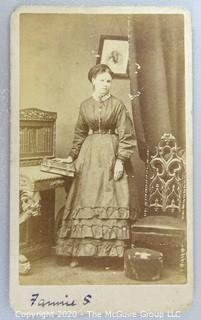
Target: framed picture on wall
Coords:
[(114, 51)]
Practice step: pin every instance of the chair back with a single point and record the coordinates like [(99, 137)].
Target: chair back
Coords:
[(37, 136), (165, 179)]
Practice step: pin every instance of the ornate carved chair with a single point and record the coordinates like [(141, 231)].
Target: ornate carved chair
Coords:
[(163, 223)]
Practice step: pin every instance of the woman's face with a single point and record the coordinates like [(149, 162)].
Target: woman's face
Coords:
[(102, 83)]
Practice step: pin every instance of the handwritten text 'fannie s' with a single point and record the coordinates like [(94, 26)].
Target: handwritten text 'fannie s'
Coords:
[(36, 300)]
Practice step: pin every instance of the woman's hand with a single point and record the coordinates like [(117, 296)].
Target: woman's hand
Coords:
[(69, 159), (118, 170)]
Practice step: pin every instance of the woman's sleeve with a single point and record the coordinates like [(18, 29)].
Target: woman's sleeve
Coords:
[(80, 134), (126, 134)]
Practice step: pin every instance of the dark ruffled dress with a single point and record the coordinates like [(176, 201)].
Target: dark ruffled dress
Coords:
[(96, 217)]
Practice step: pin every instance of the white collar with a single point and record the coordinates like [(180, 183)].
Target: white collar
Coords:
[(99, 99)]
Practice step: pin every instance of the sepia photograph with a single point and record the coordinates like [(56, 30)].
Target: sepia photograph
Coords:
[(102, 143)]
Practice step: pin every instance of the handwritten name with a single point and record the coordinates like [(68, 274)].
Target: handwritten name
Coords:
[(36, 300)]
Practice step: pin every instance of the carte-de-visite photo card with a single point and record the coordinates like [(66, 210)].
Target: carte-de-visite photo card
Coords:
[(101, 215)]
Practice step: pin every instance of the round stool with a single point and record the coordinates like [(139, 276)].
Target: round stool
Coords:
[(143, 264)]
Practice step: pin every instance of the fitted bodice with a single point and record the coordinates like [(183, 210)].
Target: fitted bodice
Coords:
[(110, 114), (101, 115)]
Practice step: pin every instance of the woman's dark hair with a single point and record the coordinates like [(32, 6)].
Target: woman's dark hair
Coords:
[(98, 68)]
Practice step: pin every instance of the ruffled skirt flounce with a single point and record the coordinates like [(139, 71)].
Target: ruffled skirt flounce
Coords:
[(96, 216)]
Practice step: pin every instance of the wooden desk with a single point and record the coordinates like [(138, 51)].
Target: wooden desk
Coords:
[(37, 211)]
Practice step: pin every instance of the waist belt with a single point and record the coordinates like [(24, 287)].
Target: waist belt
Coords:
[(103, 132)]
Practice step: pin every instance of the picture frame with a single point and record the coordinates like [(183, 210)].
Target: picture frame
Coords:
[(114, 51)]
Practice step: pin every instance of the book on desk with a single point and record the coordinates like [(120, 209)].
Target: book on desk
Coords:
[(58, 166)]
